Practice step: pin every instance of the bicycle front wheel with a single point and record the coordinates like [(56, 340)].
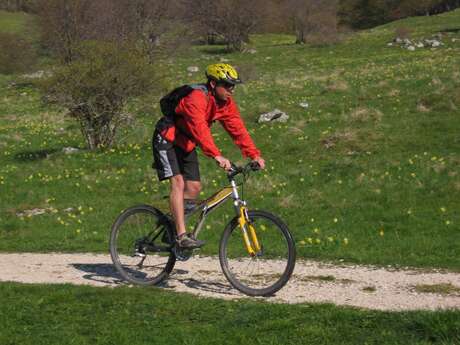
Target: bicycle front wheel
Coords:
[(141, 244), (270, 269)]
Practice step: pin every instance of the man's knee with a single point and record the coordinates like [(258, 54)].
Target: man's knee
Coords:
[(177, 183), (193, 187)]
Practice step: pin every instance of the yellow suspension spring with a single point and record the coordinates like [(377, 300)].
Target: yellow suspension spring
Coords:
[(253, 247)]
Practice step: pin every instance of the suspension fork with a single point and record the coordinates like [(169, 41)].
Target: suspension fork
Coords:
[(247, 229), (250, 240)]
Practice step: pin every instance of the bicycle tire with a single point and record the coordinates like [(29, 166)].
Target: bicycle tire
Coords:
[(234, 256), (142, 234)]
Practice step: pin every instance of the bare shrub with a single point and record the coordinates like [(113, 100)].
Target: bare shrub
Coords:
[(314, 21), (156, 25), (96, 86), (403, 32), (234, 20), (16, 54), (153, 24)]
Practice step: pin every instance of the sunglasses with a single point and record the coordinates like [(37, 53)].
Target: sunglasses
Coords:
[(227, 86)]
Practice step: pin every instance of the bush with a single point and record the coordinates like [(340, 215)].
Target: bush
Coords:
[(96, 86), (16, 54)]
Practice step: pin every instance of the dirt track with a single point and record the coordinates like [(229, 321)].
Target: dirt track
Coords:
[(361, 286)]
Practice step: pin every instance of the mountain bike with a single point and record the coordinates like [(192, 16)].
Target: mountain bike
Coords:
[(256, 252)]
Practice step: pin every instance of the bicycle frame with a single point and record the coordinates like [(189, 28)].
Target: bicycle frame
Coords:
[(216, 200)]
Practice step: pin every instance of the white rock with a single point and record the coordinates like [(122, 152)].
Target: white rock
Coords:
[(304, 105), (419, 45), (411, 48), (69, 150), (407, 41), (273, 116), (37, 75), (252, 51), (193, 69), (390, 44), (33, 212)]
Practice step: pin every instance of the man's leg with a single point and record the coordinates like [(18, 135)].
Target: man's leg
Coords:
[(176, 202), (192, 189)]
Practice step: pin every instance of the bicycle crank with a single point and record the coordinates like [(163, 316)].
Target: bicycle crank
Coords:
[(181, 253)]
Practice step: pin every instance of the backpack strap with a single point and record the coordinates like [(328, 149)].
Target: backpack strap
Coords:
[(169, 103), (201, 87)]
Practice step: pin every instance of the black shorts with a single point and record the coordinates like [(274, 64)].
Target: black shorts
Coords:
[(171, 160)]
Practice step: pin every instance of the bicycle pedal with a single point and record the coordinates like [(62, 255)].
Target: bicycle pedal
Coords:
[(182, 254), (139, 254)]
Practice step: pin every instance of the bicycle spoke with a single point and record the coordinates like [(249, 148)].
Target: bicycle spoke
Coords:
[(140, 246), (272, 266)]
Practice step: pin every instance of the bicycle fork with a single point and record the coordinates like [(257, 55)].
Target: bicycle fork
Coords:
[(247, 229), (249, 232)]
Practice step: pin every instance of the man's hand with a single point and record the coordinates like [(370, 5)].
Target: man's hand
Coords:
[(223, 162), (260, 161)]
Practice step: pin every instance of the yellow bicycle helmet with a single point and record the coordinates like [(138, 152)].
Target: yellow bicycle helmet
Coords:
[(222, 72)]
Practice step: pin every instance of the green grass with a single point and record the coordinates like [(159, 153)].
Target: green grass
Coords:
[(14, 22), (57, 314), (369, 173)]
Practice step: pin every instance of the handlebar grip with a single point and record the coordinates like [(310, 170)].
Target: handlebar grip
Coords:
[(254, 166)]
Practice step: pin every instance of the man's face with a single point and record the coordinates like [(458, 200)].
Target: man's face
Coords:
[(222, 90)]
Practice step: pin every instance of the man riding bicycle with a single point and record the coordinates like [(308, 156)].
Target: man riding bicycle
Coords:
[(175, 139)]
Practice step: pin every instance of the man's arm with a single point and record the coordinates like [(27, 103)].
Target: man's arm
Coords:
[(234, 125)]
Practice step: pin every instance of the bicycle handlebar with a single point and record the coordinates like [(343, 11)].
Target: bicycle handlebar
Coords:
[(235, 169)]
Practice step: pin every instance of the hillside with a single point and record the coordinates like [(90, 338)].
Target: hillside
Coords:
[(368, 173)]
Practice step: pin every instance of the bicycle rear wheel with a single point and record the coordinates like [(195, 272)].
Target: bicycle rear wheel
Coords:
[(141, 244), (270, 269)]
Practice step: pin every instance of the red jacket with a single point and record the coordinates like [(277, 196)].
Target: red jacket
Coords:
[(195, 114)]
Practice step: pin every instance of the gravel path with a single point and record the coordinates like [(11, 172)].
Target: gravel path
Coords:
[(361, 286)]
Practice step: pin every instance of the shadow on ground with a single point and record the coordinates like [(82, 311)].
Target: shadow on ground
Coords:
[(107, 274), (30, 156), (102, 273)]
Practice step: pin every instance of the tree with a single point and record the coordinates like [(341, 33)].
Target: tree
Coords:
[(234, 20), (64, 25), (313, 20), (19, 5), (416, 7)]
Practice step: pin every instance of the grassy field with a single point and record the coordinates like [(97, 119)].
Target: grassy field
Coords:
[(15, 22), (368, 173), (58, 314)]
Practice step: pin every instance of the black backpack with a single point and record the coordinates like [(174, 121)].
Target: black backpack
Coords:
[(168, 103)]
